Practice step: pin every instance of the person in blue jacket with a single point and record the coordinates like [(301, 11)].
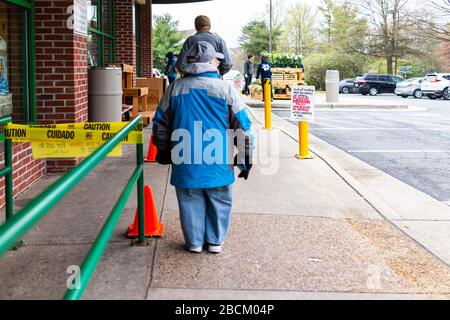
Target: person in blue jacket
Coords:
[(196, 127), (265, 71)]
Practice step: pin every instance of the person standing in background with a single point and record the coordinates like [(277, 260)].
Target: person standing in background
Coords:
[(248, 73), (171, 71), (265, 70), (203, 27)]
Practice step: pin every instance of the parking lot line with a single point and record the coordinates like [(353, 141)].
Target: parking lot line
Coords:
[(398, 151), (348, 122)]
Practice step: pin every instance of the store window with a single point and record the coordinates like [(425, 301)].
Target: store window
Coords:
[(16, 57), (101, 32)]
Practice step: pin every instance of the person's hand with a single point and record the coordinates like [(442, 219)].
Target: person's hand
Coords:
[(164, 157), (245, 76)]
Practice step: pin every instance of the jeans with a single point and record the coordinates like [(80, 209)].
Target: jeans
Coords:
[(248, 81), (205, 215)]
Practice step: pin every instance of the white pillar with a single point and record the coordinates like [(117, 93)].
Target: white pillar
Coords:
[(332, 82)]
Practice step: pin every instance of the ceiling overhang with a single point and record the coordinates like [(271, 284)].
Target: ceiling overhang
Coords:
[(176, 1)]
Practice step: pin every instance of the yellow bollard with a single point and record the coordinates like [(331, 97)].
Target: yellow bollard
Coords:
[(303, 140), (268, 105)]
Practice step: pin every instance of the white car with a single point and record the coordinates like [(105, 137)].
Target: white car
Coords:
[(235, 78), (157, 73), (436, 85), (409, 87)]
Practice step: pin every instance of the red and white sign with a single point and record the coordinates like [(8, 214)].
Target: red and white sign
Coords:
[(303, 103)]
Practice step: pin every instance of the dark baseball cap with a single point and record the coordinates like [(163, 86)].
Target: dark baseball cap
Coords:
[(203, 52)]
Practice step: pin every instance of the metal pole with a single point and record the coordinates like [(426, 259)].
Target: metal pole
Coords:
[(303, 140), (268, 105), (140, 193), (270, 31), (9, 180)]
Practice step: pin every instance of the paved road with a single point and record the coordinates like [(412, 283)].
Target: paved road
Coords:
[(411, 146)]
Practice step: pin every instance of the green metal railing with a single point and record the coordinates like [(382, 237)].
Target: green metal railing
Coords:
[(17, 225), (7, 171)]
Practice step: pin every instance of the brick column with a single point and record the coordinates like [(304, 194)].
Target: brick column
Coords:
[(146, 19), (125, 46), (61, 71)]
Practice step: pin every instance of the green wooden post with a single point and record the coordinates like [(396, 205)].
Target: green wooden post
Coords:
[(9, 180)]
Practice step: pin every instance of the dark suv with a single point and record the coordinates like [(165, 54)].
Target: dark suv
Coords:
[(374, 84)]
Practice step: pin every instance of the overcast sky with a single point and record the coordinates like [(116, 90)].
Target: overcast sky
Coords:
[(227, 16)]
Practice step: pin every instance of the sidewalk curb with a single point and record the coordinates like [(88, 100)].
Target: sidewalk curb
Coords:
[(392, 216), (337, 106)]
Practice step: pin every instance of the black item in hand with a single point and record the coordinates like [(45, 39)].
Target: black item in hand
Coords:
[(164, 157)]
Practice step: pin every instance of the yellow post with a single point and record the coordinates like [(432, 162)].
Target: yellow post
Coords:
[(303, 140), (268, 105)]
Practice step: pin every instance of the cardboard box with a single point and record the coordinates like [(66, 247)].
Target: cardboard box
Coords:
[(156, 88)]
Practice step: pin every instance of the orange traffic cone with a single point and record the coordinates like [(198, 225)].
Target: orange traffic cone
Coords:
[(152, 226), (152, 151)]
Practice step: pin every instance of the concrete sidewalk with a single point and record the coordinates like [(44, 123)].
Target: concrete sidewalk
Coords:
[(303, 233), (345, 102)]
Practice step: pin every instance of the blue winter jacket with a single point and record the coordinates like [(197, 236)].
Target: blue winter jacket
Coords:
[(192, 121)]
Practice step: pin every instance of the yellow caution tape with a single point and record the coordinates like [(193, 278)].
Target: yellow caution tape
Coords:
[(68, 149), (74, 132)]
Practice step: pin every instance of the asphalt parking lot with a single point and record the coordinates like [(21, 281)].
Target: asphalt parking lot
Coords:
[(413, 146)]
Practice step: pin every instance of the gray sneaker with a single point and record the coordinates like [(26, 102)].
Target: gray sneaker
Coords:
[(215, 248), (196, 249)]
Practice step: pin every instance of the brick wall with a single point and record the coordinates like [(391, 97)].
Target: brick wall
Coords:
[(146, 39), (125, 47), (61, 71), (26, 170)]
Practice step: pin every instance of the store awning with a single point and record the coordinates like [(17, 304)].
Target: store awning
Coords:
[(176, 1)]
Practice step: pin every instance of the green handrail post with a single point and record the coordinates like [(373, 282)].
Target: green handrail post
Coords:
[(140, 193), (9, 206), (7, 172)]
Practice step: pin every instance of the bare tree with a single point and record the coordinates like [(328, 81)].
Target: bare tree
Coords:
[(389, 21), (442, 5), (432, 20)]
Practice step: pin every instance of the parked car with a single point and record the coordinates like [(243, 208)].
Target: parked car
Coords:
[(436, 86), (157, 73), (410, 87), (374, 84), (236, 78), (346, 86)]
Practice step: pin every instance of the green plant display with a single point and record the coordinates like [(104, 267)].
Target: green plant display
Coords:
[(284, 60)]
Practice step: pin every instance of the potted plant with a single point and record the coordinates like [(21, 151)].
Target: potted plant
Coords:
[(278, 89)]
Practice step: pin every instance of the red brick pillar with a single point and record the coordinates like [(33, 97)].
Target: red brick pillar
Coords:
[(125, 46), (146, 39), (61, 70)]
